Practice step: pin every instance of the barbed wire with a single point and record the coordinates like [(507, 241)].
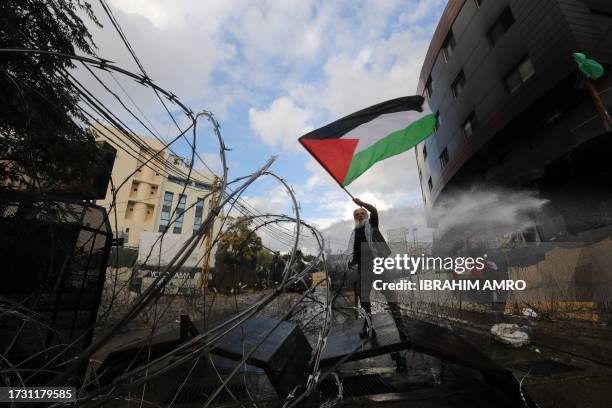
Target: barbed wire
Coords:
[(126, 139)]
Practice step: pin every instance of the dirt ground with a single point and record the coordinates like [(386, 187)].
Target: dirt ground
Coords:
[(561, 368)]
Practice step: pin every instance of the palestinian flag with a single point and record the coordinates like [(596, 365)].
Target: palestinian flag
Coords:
[(349, 146)]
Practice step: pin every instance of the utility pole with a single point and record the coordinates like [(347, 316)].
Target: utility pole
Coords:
[(208, 241)]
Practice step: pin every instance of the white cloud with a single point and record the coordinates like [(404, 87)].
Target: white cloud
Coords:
[(164, 14), (213, 162), (275, 201), (404, 217), (283, 30), (381, 70), (316, 61), (282, 123), (422, 10), (390, 183)]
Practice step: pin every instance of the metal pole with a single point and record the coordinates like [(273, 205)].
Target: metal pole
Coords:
[(601, 107), (208, 244), (347, 192)]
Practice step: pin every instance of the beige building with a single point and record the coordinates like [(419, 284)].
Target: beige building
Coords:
[(146, 197)]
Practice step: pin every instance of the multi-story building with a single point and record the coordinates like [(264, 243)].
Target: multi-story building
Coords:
[(514, 111), (148, 198)]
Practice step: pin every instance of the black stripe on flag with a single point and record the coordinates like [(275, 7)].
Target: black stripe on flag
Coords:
[(344, 125)]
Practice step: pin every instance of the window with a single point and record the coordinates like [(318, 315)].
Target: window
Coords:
[(501, 25), (444, 158), (177, 180), (520, 74), (199, 209), (438, 121), (168, 199), (203, 186), (469, 126), (424, 152), (165, 213), (428, 89), (458, 84), (448, 46), (430, 184), (180, 211)]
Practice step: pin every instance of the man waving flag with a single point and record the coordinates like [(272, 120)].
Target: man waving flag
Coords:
[(349, 146)]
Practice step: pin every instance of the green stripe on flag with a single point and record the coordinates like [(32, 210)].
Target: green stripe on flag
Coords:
[(390, 145)]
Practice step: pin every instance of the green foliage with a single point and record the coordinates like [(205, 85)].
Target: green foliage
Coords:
[(264, 259), (239, 244), (42, 135)]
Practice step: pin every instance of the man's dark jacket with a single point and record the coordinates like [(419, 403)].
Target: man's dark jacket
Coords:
[(378, 245)]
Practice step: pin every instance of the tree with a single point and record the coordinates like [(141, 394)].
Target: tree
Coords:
[(43, 139), (239, 244), (264, 259)]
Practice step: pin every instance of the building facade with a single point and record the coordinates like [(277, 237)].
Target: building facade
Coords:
[(515, 114), (155, 197), (512, 108)]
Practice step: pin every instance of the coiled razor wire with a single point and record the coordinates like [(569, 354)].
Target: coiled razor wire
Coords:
[(202, 343)]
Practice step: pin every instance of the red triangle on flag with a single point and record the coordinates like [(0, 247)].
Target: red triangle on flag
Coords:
[(335, 155)]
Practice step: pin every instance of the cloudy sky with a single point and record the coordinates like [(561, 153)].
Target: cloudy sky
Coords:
[(271, 71)]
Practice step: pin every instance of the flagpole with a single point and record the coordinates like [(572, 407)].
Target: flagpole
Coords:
[(347, 192), (601, 108), (592, 69)]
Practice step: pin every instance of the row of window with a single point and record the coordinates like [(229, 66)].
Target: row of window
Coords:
[(199, 210), (468, 128), (165, 213), (164, 219), (497, 30), (513, 80), (182, 181), (522, 72)]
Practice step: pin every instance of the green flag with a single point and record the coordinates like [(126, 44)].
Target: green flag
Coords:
[(351, 145), (589, 67)]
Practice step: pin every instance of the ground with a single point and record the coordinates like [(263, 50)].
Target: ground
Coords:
[(567, 364)]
